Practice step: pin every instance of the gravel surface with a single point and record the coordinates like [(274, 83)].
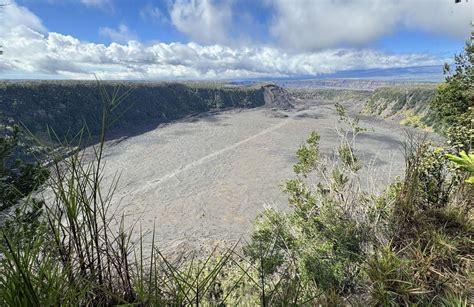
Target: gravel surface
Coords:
[(203, 180)]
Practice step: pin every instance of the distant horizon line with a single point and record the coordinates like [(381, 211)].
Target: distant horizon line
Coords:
[(424, 74)]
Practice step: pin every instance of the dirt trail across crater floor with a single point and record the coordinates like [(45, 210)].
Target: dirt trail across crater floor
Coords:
[(203, 181), (148, 185)]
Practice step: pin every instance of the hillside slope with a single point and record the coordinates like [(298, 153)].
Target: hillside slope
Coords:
[(409, 104)]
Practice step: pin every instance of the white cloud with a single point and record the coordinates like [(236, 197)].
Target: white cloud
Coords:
[(14, 16), (29, 51), (310, 25), (120, 35), (202, 20), (153, 13), (97, 3), (71, 58)]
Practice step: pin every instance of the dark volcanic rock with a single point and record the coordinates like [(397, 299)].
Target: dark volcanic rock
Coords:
[(277, 97)]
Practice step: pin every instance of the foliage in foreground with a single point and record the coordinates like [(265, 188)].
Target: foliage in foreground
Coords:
[(465, 162)]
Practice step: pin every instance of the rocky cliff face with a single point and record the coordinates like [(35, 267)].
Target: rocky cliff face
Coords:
[(67, 105), (277, 97)]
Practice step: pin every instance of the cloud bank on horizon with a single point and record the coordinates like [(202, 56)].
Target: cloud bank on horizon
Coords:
[(303, 38)]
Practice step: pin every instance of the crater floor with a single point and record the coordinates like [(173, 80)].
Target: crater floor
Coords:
[(203, 180)]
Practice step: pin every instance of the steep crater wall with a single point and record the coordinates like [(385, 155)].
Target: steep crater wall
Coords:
[(65, 106)]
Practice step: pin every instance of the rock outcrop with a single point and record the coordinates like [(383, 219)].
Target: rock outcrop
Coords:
[(277, 97)]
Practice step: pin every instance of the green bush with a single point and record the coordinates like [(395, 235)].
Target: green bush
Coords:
[(324, 240)]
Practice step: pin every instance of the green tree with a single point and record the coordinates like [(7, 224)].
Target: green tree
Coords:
[(456, 95), (453, 106)]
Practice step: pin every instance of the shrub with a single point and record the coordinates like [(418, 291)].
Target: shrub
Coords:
[(322, 243)]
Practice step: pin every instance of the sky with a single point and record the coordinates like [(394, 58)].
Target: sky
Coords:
[(225, 39)]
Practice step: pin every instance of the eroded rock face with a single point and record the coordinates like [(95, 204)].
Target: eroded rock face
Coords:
[(277, 97)]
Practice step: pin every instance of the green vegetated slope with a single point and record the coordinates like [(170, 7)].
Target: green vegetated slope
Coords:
[(66, 105), (409, 104)]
